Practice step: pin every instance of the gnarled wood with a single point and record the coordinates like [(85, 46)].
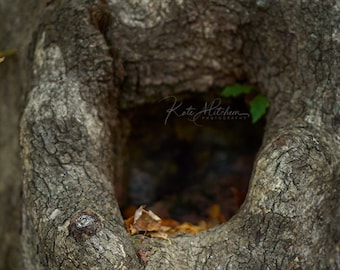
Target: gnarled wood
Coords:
[(91, 59)]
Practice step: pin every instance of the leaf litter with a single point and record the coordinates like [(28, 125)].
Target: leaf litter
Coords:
[(147, 223)]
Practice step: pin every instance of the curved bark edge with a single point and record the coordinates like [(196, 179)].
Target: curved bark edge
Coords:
[(70, 215)]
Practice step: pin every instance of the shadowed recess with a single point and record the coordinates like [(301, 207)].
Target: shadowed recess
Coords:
[(188, 155)]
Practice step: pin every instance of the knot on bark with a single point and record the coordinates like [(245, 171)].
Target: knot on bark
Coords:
[(84, 225)]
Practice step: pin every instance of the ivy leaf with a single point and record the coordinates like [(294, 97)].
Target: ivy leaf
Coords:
[(258, 106), (235, 90)]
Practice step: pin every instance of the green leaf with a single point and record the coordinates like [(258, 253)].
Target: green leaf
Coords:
[(235, 90), (258, 106)]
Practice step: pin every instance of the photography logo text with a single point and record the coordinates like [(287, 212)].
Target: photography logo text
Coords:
[(210, 110)]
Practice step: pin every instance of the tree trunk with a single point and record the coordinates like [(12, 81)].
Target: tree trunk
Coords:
[(88, 60)]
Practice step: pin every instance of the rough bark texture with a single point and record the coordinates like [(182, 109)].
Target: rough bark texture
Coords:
[(90, 59)]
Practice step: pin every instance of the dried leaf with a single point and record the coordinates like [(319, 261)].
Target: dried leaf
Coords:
[(129, 226), (214, 211), (146, 221), (161, 235), (187, 227), (215, 215), (2, 59), (168, 222), (129, 211)]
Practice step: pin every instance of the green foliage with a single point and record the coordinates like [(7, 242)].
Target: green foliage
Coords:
[(258, 104), (236, 90)]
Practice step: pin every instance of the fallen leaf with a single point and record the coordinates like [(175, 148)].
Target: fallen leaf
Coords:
[(129, 211), (214, 211), (146, 221), (187, 227), (161, 235), (129, 226), (149, 224), (215, 215)]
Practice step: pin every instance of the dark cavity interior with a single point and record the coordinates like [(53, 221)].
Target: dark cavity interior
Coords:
[(181, 168)]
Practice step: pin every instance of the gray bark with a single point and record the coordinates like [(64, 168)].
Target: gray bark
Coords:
[(88, 60)]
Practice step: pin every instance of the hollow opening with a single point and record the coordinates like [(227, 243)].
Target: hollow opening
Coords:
[(189, 158)]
